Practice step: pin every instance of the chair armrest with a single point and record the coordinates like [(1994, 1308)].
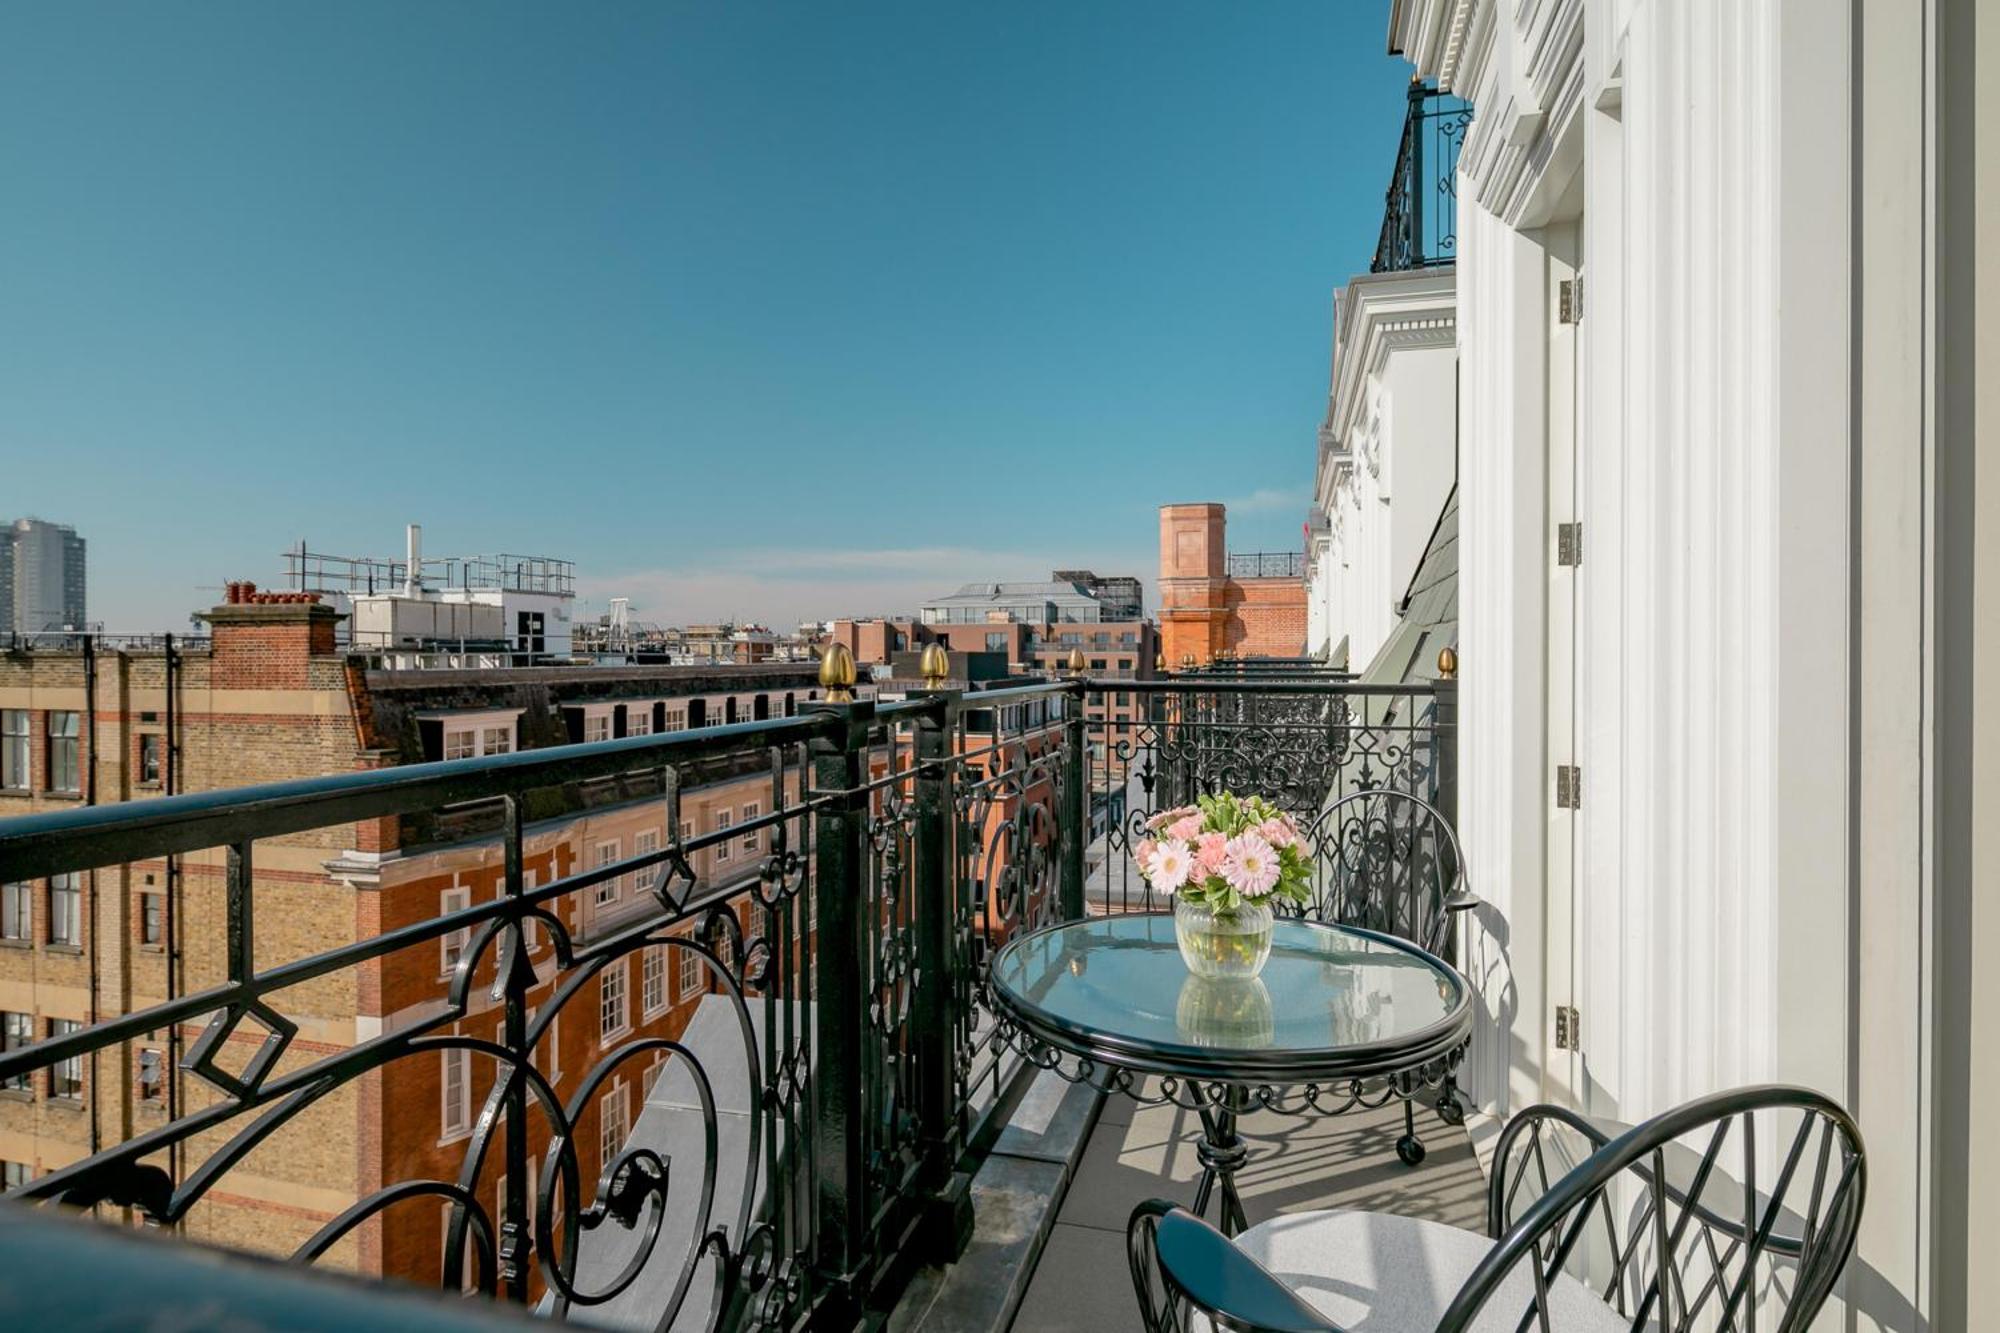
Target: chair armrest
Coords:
[(1461, 901), (1202, 1265)]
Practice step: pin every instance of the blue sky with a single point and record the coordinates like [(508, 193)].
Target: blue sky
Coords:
[(759, 309)]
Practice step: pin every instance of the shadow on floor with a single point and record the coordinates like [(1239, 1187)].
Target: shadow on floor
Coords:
[(1082, 1282)]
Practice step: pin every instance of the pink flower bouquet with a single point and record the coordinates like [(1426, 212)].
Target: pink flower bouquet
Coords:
[(1225, 851)]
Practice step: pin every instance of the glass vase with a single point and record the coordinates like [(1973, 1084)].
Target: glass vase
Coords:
[(1223, 945)]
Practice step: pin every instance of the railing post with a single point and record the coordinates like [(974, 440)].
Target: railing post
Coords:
[(1444, 736), (840, 929), (1417, 187), (949, 1225), (516, 1236), (1075, 812)]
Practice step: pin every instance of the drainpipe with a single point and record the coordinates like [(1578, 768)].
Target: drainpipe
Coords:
[(170, 1066), (90, 798)]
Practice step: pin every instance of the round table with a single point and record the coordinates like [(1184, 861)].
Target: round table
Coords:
[(1349, 1016)]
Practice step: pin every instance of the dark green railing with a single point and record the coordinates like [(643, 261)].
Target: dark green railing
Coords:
[(906, 837)]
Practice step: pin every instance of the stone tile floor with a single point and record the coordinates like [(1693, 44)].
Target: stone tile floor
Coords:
[(1082, 1282)]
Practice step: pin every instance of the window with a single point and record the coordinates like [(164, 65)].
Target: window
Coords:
[(65, 733), (612, 1019), (614, 1123), (677, 717), (530, 927), (150, 1085), (149, 758), (16, 1030), (639, 721), (722, 825), (17, 912), (13, 1175), (752, 838), (996, 643), (597, 726), (66, 1075), (608, 889), (653, 1070), (690, 970), (452, 946), (14, 748), (455, 1082), (653, 980), (65, 909), (644, 843), (467, 738), (151, 930)]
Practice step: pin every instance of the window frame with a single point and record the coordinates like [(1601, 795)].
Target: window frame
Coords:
[(68, 912), (460, 1059), (17, 1030), (723, 824), (653, 981), (753, 839), (152, 920), (68, 1070), (65, 751), (607, 892), (152, 752), (17, 912), (688, 975), (613, 998), (451, 946), (17, 732)]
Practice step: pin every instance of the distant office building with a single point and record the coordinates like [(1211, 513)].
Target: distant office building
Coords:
[(1070, 595), (41, 577)]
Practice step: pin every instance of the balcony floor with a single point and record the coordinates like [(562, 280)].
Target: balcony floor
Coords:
[(1082, 1282)]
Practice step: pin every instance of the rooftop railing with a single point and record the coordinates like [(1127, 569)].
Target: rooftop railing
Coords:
[(1267, 565), (806, 1132), (1420, 213)]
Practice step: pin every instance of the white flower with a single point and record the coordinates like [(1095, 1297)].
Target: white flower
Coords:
[(1171, 861)]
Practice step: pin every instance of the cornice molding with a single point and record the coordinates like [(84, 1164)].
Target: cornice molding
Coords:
[(1383, 313)]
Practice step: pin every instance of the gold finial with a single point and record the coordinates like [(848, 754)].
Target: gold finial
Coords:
[(836, 673), (1160, 663), (1447, 663), (934, 665), (1187, 661), (1076, 661)]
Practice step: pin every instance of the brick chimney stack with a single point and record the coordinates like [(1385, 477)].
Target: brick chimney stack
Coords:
[(267, 640)]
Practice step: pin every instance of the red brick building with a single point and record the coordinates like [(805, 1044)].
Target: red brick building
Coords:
[(271, 696), (1213, 603)]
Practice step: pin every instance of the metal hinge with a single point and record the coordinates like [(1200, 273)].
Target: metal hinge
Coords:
[(1569, 543), (1569, 1028), (1569, 787), (1569, 300)]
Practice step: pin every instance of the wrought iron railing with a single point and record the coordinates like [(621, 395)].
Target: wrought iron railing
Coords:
[(1267, 565), (1420, 214), (821, 1143)]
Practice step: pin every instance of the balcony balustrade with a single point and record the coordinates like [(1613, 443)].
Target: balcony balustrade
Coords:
[(808, 1140), (1420, 213)]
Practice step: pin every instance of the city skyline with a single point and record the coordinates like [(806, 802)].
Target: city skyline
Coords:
[(733, 306)]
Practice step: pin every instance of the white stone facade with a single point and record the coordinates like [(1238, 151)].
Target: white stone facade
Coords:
[(1386, 455), (1762, 421)]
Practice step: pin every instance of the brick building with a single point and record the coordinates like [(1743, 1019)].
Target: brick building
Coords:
[(1214, 603), (270, 695)]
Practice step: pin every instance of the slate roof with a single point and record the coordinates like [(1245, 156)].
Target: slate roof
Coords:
[(1429, 609)]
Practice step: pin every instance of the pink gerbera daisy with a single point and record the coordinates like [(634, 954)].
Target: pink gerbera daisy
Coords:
[(1251, 865)]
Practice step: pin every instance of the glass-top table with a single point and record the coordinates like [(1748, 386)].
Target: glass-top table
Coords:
[(1342, 1016)]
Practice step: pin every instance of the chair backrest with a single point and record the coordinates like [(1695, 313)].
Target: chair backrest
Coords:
[(1736, 1211), (1389, 861)]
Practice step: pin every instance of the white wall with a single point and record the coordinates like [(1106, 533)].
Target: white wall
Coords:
[(1387, 459), (1754, 714)]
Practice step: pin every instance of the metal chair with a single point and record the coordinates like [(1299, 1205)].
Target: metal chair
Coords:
[(1649, 1231), (1390, 861)]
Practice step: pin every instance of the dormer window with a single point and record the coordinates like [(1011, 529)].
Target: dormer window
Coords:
[(468, 735)]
